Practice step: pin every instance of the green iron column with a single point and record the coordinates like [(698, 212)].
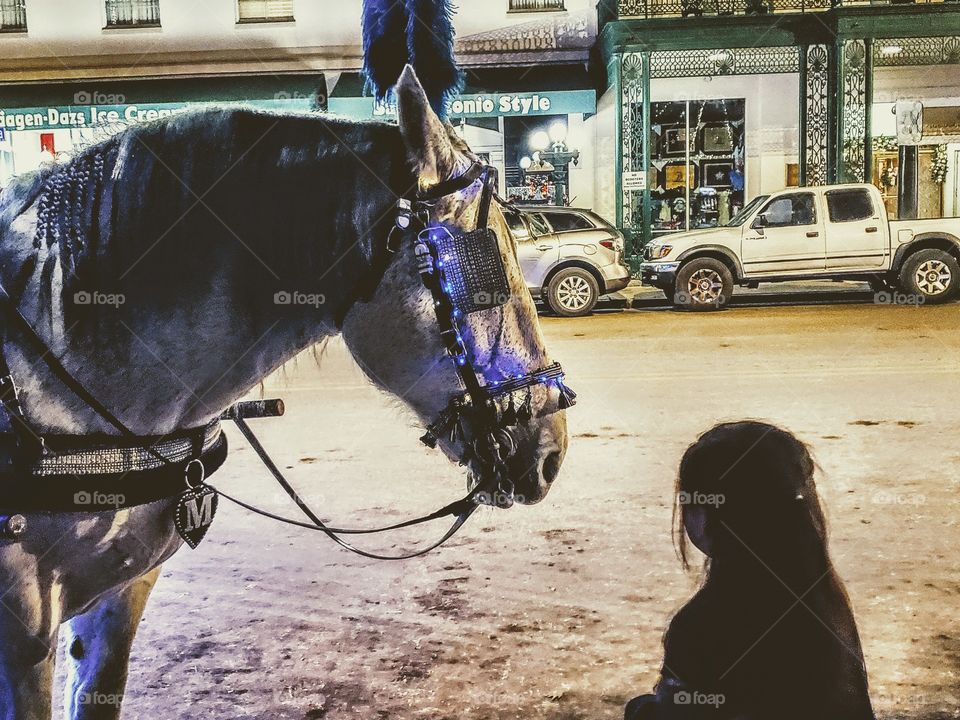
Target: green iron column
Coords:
[(853, 110), (815, 118), (633, 206)]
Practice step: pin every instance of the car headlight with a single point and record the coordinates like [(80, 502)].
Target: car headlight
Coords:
[(660, 251)]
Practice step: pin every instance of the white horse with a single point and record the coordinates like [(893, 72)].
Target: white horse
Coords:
[(197, 222)]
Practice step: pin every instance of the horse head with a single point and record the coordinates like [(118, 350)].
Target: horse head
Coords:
[(395, 336)]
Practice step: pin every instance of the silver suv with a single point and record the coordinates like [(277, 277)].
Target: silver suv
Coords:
[(569, 257)]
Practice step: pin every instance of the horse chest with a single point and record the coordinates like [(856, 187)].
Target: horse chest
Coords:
[(79, 557)]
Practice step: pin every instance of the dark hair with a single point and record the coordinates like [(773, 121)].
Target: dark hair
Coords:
[(771, 628), (755, 482)]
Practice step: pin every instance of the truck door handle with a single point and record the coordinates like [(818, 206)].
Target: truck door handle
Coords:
[(813, 233), (872, 228), (544, 248)]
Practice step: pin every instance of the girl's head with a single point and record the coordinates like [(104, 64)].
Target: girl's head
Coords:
[(746, 490)]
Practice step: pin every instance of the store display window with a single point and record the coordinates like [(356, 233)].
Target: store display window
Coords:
[(697, 159)]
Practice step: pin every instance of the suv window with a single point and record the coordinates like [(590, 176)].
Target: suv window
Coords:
[(564, 222), (849, 205), (793, 209), (538, 224), (517, 226)]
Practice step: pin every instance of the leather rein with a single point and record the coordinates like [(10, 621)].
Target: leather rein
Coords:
[(482, 413)]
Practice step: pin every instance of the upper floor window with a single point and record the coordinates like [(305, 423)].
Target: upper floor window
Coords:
[(13, 15), (265, 10), (535, 5), (133, 13)]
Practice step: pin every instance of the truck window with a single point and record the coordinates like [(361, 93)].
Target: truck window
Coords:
[(849, 205), (562, 222), (792, 209)]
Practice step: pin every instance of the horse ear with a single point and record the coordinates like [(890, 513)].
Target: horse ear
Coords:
[(424, 134)]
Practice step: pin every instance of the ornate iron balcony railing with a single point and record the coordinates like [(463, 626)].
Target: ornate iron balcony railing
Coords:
[(694, 8), (13, 15), (534, 5), (133, 13)]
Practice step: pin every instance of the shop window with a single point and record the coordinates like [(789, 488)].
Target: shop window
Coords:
[(849, 205), (565, 222), (535, 5), (265, 10), (13, 15), (790, 210), (133, 13), (697, 156)]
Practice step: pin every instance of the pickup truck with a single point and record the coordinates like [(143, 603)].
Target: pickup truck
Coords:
[(837, 232)]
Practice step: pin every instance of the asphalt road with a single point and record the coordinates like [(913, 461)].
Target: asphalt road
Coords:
[(556, 611)]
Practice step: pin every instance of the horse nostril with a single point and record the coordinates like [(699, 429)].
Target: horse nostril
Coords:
[(551, 466)]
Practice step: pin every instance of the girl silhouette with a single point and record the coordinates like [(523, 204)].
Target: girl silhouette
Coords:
[(770, 635)]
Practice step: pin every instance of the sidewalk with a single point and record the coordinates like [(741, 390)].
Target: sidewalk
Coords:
[(636, 292)]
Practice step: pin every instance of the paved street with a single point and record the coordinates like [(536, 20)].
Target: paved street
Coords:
[(556, 612)]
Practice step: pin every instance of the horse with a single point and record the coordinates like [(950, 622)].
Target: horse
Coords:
[(161, 264)]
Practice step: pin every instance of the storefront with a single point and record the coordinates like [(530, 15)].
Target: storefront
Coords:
[(40, 122), (707, 112), (925, 74), (523, 133)]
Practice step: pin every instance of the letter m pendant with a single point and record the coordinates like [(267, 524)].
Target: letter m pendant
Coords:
[(194, 513)]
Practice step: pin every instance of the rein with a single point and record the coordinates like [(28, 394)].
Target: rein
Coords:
[(484, 411)]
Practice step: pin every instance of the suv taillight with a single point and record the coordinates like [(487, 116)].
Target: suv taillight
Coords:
[(609, 244)]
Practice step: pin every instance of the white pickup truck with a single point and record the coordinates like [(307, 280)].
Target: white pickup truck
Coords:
[(837, 232)]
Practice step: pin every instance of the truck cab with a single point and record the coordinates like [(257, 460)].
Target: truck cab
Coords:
[(837, 232)]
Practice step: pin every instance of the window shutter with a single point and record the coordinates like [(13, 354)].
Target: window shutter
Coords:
[(265, 9)]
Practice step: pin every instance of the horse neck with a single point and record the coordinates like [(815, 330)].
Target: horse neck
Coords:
[(225, 298)]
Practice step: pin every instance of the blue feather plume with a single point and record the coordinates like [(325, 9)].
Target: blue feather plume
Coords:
[(384, 44), (420, 32), (430, 37)]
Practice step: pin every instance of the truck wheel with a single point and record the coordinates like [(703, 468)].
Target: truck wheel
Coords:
[(572, 292), (931, 274), (703, 284)]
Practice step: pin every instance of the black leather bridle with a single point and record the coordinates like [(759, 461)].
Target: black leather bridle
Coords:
[(480, 417)]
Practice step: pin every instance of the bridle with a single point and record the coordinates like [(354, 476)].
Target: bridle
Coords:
[(464, 274), (486, 409)]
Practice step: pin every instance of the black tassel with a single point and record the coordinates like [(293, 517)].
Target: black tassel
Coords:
[(434, 431), (568, 398), (525, 412), (509, 416), (456, 431)]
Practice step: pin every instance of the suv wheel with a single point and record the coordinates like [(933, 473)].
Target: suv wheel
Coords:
[(572, 292), (703, 284), (931, 274)]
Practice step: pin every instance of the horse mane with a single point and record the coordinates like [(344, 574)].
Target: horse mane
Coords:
[(196, 187)]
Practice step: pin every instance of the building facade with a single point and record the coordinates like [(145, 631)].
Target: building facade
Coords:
[(713, 102), (71, 73)]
